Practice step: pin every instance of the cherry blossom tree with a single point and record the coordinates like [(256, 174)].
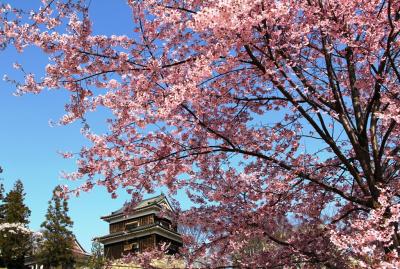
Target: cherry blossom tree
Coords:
[(272, 115)]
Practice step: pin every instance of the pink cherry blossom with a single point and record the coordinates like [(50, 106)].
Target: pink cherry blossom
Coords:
[(279, 119)]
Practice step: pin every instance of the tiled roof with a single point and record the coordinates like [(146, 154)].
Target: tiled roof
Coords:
[(78, 249), (139, 230), (141, 204)]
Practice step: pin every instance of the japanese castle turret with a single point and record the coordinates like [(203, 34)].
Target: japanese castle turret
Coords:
[(145, 227)]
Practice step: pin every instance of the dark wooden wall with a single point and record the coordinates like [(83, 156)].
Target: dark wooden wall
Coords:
[(120, 226), (115, 251), (145, 220), (117, 227), (173, 246), (148, 242)]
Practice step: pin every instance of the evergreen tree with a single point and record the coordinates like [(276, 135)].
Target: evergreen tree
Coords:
[(1, 202), (57, 236), (1, 198), (15, 211), (14, 234), (97, 259)]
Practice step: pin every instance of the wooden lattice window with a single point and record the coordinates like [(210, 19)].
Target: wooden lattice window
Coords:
[(131, 246), (131, 225)]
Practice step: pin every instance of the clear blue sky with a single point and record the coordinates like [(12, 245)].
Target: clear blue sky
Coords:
[(29, 146)]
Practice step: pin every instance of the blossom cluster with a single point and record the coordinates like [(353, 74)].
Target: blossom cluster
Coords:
[(14, 228)]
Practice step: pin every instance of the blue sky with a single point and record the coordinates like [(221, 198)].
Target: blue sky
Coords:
[(29, 145)]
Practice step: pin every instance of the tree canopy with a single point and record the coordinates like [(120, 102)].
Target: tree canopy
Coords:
[(272, 115), (15, 237), (97, 259), (57, 238)]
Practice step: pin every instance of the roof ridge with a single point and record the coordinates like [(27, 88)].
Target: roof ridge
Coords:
[(162, 195)]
